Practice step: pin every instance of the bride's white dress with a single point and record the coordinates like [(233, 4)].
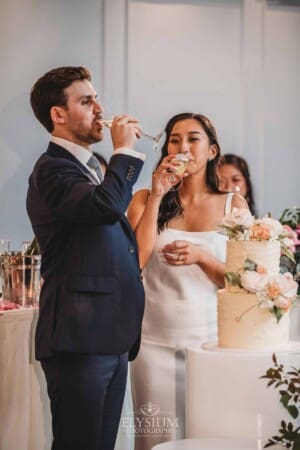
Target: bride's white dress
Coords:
[(180, 312)]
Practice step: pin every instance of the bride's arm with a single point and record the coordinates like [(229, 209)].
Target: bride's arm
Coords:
[(142, 215), (180, 252), (143, 210)]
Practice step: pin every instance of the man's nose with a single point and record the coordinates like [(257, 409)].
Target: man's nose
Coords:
[(98, 108)]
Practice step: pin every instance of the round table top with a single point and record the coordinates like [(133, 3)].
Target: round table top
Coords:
[(211, 444)]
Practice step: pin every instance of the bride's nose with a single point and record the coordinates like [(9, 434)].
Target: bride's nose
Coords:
[(184, 148)]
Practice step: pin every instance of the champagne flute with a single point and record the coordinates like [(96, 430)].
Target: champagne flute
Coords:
[(176, 173), (108, 122)]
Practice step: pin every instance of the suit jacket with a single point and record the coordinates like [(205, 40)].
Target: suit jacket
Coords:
[(92, 299)]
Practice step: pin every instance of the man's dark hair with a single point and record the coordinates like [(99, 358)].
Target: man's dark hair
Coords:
[(48, 91)]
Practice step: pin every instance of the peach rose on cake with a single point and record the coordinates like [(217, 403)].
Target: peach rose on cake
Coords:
[(260, 232)]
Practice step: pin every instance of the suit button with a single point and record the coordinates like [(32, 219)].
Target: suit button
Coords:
[(131, 249)]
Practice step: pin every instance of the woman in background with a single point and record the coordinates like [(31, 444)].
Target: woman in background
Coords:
[(182, 255), (234, 176)]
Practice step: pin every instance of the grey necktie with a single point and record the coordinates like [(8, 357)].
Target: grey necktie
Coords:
[(94, 164)]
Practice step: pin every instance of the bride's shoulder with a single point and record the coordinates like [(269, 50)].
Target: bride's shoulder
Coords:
[(137, 206), (141, 195)]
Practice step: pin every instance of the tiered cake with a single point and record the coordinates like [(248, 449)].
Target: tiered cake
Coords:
[(253, 309)]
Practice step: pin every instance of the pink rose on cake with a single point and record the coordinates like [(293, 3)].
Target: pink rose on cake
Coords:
[(286, 284)]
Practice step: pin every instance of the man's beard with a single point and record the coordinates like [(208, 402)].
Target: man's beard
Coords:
[(89, 137)]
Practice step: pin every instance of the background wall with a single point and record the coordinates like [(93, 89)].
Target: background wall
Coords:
[(237, 61)]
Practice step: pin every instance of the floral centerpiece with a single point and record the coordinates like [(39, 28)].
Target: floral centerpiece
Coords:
[(290, 219), (275, 291)]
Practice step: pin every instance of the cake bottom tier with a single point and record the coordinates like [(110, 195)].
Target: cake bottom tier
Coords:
[(226, 398), (243, 324)]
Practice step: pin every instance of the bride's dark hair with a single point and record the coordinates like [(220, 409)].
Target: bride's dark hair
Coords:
[(170, 205)]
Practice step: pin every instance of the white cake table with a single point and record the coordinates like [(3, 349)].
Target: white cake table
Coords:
[(225, 396), (211, 444)]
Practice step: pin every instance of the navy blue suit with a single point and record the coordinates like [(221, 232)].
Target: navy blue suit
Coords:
[(92, 299)]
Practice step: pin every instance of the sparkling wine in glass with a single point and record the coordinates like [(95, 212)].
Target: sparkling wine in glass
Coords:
[(176, 174)]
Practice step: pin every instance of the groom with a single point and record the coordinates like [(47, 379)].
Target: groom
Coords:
[(92, 298)]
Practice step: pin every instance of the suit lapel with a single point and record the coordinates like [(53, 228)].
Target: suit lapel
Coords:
[(59, 152)]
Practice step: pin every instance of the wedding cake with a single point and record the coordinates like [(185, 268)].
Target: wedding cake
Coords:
[(253, 309)]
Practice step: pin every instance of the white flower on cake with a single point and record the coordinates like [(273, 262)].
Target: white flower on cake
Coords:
[(238, 218), (253, 281), (273, 226), (286, 284)]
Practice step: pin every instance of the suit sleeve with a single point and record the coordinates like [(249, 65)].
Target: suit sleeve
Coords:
[(70, 196)]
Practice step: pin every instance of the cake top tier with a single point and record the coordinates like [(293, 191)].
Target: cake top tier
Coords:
[(264, 253), (240, 225)]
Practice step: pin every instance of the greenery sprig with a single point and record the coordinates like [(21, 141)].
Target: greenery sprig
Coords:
[(288, 384)]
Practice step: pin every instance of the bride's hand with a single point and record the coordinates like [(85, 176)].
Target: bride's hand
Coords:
[(180, 253), (161, 176)]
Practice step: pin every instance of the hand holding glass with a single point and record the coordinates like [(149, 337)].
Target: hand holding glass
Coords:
[(108, 122), (175, 176)]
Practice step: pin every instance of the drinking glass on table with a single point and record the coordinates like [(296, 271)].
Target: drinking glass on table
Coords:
[(4, 249), (4, 246)]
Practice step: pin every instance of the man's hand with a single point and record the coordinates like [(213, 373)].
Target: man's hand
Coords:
[(125, 130)]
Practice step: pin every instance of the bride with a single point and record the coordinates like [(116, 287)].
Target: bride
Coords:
[(182, 256)]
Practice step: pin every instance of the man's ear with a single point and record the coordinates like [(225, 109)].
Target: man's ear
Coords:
[(57, 114), (213, 151)]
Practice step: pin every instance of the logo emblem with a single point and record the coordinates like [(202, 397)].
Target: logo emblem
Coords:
[(149, 409)]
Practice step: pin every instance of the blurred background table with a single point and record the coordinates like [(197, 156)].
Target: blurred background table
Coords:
[(25, 419)]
